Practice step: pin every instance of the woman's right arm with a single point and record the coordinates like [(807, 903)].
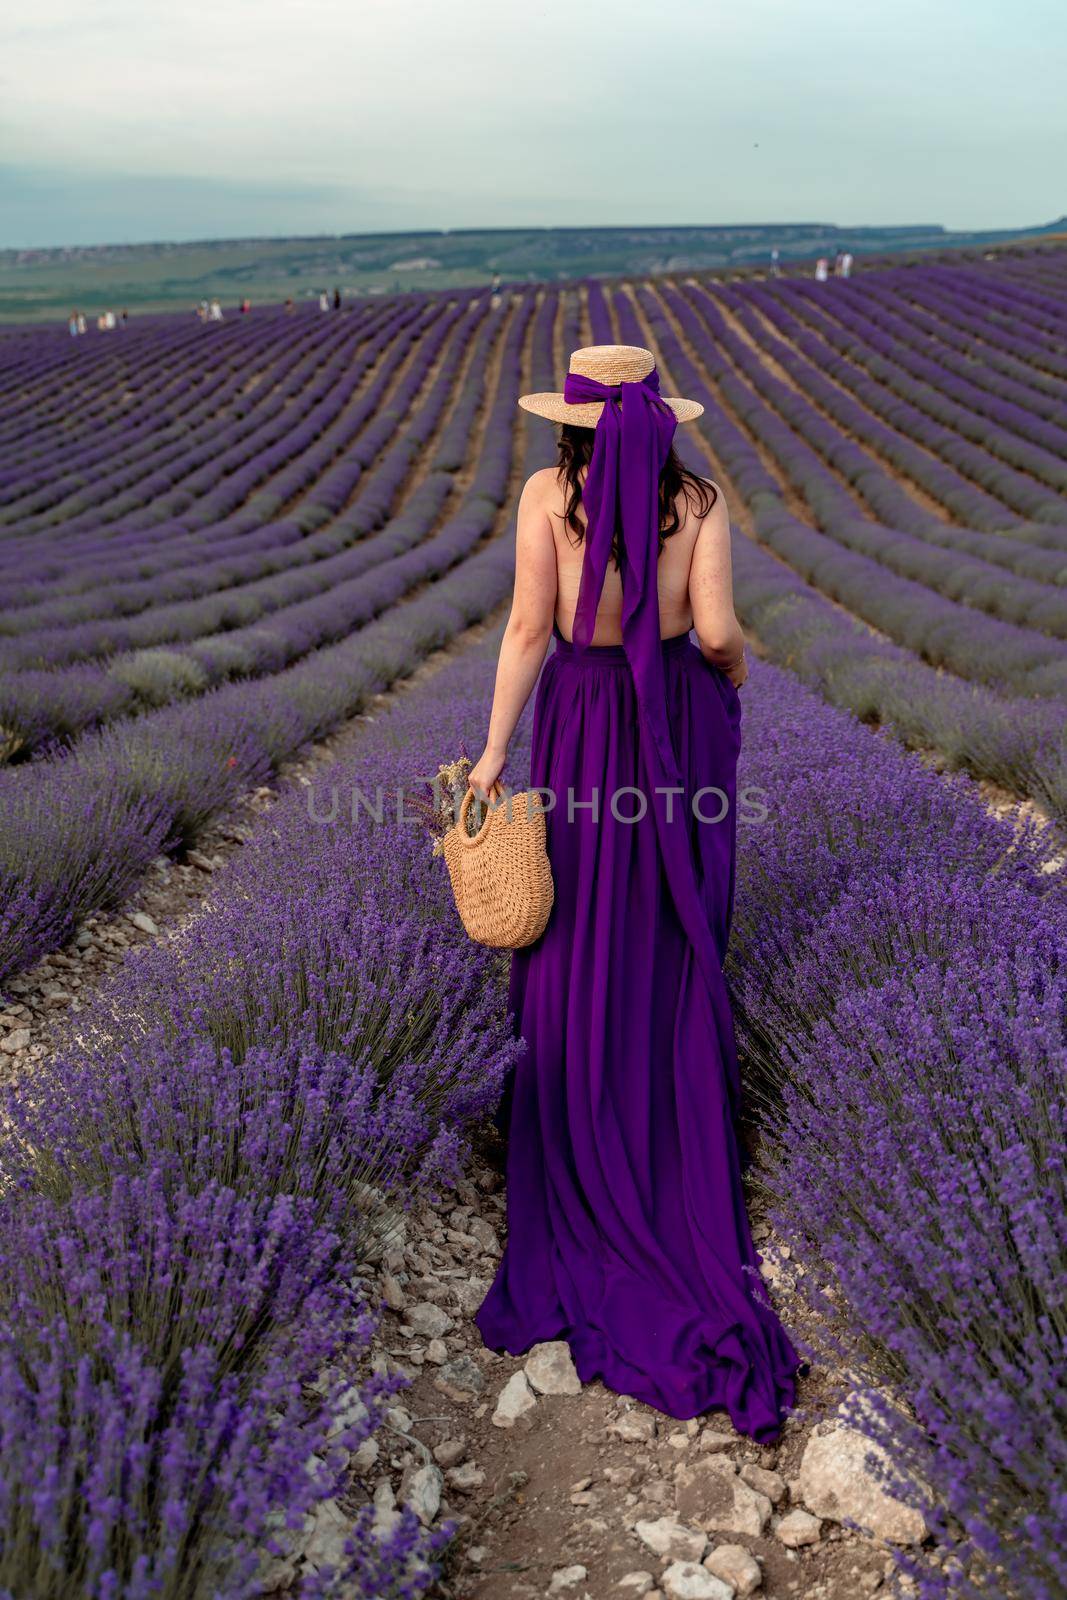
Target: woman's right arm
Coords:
[(711, 595)]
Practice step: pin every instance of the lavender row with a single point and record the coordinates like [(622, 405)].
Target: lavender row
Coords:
[(983, 443), (189, 433), (141, 372), (1019, 744), (310, 388), (897, 971), (296, 363), (77, 833), (1008, 376), (1036, 549), (175, 545), (902, 540), (967, 642), (370, 431), (868, 853), (961, 496), (305, 1066), (343, 593)]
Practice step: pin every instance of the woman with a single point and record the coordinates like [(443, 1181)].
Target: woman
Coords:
[(627, 1232)]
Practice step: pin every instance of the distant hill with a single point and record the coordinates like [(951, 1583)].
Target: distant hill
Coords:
[(162, 276)]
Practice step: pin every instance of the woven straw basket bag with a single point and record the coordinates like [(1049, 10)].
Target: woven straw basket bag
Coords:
[(501, 876)]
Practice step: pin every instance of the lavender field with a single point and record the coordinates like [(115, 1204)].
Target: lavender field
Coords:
[(220, 543)]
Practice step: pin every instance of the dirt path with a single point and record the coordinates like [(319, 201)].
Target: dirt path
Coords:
[(561, 1489)]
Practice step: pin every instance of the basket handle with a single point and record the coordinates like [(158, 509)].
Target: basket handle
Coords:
[(464, 807)]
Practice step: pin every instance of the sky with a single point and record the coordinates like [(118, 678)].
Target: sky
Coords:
[(130, 120)]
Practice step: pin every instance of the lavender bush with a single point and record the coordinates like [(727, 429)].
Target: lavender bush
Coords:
[(897, 967)]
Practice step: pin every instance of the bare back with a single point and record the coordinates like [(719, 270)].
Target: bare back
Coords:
[(673, 573)]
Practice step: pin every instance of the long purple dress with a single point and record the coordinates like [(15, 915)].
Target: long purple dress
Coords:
[(627, 1230)]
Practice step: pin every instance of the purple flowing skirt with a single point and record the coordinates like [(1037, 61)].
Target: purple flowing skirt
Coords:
[(627, 1230)]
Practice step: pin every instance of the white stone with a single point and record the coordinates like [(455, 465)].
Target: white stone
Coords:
[(550, 1368), (365, 1457), (469, 1294), (349, 1410), (566, 1578), (716, 1442), (834, 1482), (772, 1484), (436, 1352), (669, 1538), (709, 1492), (737, 1567), (798, 1528), (142, 920), (330, 1528), (482, 1230), (422, 1491), (428, 1319), (636, 1583), (687, 1580), (393, 1292), (16, 1041), (386, 1515), (466, 1478), (633, 1428), (461, 1377), (515, 1399)]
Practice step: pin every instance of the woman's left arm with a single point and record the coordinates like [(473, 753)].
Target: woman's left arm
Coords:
[(528, 630)]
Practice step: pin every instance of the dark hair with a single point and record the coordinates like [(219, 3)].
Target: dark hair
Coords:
[(675, 480)]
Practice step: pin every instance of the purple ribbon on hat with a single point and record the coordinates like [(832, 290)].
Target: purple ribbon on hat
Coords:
[(621, 494)]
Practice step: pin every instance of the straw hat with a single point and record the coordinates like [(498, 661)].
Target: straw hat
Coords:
[(607, 363)]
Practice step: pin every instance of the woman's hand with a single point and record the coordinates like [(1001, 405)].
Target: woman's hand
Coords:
[(738, 672), (486, 771)]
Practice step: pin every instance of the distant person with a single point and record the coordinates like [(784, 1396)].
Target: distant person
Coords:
[(81, 322), (72, 325), (337, 299), (246, 306), (822, 270), (324, 301), (215, 311), (109, 321), (775, 269), (125, 316), (846, 264), (201, 311)]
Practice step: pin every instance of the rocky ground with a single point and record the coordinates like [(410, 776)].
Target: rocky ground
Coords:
[(556, 1488), (560, 1489)]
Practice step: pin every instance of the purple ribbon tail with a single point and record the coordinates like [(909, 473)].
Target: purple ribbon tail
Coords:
[(621, 494)]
